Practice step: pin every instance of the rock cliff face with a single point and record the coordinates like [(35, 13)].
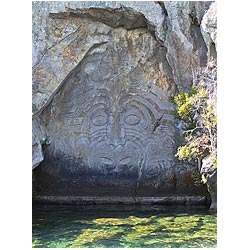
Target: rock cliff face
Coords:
[(102, 76)]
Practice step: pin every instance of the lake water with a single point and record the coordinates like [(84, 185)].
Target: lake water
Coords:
[(122, 226)]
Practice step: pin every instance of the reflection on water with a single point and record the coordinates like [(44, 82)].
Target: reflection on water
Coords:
[(122, 226)]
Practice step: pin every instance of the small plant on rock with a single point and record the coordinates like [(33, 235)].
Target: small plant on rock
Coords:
[(197, 111)]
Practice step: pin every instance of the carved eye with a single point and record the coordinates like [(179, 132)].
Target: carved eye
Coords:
[(99, 120), (132, 119), (107, 163), (106, 160), (126, 160)]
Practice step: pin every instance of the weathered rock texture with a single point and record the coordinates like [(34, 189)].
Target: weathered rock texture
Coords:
[(38, 136), (63, 32), (102, 76), (209, 176), (186, 49), (209, 30)]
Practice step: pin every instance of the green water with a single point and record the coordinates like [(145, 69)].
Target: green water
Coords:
[(122, 226)]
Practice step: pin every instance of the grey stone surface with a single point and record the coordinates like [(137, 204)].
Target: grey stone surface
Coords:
[(60, 41), (209, 177), (209, 29), (102, 76), (80, 200), (111, 126), (37, 154), (38, 134), (186, 49)]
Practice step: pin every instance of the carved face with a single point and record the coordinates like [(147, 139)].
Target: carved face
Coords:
[(115, 135), (121, 159), (112, 122)]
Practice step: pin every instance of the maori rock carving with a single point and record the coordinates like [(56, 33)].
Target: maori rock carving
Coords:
[(111, 126)]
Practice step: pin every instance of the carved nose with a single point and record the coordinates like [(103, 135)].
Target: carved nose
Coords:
[(116, 143), (115, 137), (115, 131)]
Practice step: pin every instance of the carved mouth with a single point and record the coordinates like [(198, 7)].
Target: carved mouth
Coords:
[(110, 164), (119, 159)]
